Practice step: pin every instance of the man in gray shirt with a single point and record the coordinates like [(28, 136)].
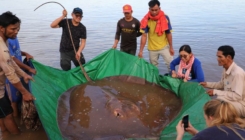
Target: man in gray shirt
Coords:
[(128, 28)]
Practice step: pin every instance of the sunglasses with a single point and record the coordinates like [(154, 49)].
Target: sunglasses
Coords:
[(184, 56), (78, 15), (126, 13)]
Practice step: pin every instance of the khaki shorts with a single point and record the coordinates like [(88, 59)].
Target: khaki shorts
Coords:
[(154, 56)]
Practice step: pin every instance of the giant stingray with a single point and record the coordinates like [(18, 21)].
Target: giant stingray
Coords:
[(116, 107)]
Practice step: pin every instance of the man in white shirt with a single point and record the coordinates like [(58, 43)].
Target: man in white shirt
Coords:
[(231, 88)]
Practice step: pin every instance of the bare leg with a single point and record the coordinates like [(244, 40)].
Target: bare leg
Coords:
[(15, 109), (2, 126), (11, 125)]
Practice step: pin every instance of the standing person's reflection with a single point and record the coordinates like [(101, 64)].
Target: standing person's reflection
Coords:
[(80, 109)]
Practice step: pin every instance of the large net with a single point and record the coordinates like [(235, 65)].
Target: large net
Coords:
[(49, 83)]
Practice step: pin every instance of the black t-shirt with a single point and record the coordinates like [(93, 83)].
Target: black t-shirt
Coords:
[(129, 31), (77, 32)]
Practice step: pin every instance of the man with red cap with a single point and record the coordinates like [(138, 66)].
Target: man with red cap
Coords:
[(129, 29)]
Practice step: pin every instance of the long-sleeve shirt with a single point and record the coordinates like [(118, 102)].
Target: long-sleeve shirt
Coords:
[(215, 133), (8, 68), (196, 73), (128, 31), (232, 84)]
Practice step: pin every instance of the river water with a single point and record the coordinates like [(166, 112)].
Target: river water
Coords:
[(203, 24)]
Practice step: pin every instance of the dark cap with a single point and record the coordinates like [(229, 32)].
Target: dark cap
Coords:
[(78, 10)]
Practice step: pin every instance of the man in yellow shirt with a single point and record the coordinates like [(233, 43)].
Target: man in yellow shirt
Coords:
[(157, 25)]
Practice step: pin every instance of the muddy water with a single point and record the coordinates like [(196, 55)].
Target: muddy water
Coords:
[(114, 108), (25, 134)]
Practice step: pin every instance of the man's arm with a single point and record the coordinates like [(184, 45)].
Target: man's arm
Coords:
[(83, 37), (217, 85), (11, 69), (235, 90), (82, 46), (117, 35), (27, 55), (142, 44), (139, 33), (55, 23), (25, 93), (115, 44), (169, 38), (10, 73), (138, 29), (23, 66)]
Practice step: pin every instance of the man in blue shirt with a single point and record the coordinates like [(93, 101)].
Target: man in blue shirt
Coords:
[(16, 54)]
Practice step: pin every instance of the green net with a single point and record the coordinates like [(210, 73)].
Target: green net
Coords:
[(49, 83)]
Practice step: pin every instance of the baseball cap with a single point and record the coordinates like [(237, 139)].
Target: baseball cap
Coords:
[(78, 10), (127, 8)]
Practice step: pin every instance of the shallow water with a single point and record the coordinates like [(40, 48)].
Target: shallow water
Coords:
[(203, 24), (114, 107), (25, 134)]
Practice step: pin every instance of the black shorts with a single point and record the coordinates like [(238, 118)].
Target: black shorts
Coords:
[(67, 57), (5, 106)]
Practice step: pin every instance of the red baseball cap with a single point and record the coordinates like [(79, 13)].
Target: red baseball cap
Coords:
[(127, 8)]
